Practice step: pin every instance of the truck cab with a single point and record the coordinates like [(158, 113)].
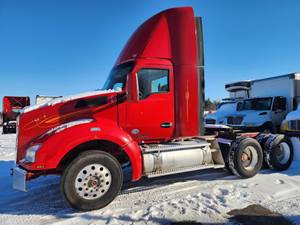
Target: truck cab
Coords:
[(261, 113)]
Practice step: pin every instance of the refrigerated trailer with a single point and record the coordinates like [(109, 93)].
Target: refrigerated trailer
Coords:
[(149, 115)]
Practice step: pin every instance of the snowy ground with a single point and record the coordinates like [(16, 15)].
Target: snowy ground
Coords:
[(203, 197)]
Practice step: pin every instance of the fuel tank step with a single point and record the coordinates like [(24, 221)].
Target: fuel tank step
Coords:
[(183, 170)]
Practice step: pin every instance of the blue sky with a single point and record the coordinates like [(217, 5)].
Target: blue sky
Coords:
[(57, 47)]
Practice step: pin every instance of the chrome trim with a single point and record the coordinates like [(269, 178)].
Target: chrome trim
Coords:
[(17, 138)]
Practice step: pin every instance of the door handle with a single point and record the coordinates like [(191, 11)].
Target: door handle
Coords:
[(166, 125)]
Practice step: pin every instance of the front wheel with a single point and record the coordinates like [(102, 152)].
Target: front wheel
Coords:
[(245, 157), (92, 180)]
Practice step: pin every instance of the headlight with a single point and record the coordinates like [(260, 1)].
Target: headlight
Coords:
[(284, 126), (30, 153)]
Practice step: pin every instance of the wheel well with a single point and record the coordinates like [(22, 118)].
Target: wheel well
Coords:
[(102, 145)]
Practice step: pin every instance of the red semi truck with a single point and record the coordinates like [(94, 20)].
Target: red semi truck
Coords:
[(149, 114), (12, 105)]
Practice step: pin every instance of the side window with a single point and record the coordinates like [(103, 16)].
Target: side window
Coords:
[(152, 81), (279, 103), (282, 104)]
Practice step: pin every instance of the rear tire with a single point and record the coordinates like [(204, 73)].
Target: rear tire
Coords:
[(262, 139), (245, 157), (279, 152), (92, 180)]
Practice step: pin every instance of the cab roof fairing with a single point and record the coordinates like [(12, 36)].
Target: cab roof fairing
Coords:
[(159, 37)]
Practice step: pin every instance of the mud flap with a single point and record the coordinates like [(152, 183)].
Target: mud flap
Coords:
[(19, 179)]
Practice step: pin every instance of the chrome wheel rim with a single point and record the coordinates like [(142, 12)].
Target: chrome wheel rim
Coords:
[(93, 181), (283, 152), (249, 158)]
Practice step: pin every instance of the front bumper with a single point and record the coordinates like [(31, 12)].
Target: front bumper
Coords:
[(291, 133), (19, 179), (245, 128)]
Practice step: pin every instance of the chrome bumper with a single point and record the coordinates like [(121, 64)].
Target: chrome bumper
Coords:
[(19, 179)]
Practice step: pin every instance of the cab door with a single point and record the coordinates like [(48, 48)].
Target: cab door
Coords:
[(279, 110), (150, 114)]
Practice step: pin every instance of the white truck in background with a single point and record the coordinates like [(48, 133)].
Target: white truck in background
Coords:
[(270, 100), (291, 123), (225, 109), (237, 92), (39, 99), (290, 126)]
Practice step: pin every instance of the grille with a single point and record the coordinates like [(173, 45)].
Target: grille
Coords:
[(234, 120), (210, 121), (294, 124)]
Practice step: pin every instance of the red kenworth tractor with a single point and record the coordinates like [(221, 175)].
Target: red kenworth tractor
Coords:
[(149, 115), (12, 106)]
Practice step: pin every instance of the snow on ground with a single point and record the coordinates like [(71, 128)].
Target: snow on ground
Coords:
[(204, 196)]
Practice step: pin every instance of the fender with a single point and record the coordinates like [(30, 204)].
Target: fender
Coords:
[(55, 147)]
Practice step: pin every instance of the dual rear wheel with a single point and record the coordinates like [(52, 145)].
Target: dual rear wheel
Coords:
[(246, 155)]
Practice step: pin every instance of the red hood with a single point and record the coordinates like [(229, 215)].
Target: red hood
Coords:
[(38, 119)]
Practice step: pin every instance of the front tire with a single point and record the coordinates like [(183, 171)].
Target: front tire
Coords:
[(92, 180), (245, 157)]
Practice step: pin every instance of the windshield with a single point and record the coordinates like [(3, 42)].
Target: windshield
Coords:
[(256, 104), (118, 76), (227, 106)]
